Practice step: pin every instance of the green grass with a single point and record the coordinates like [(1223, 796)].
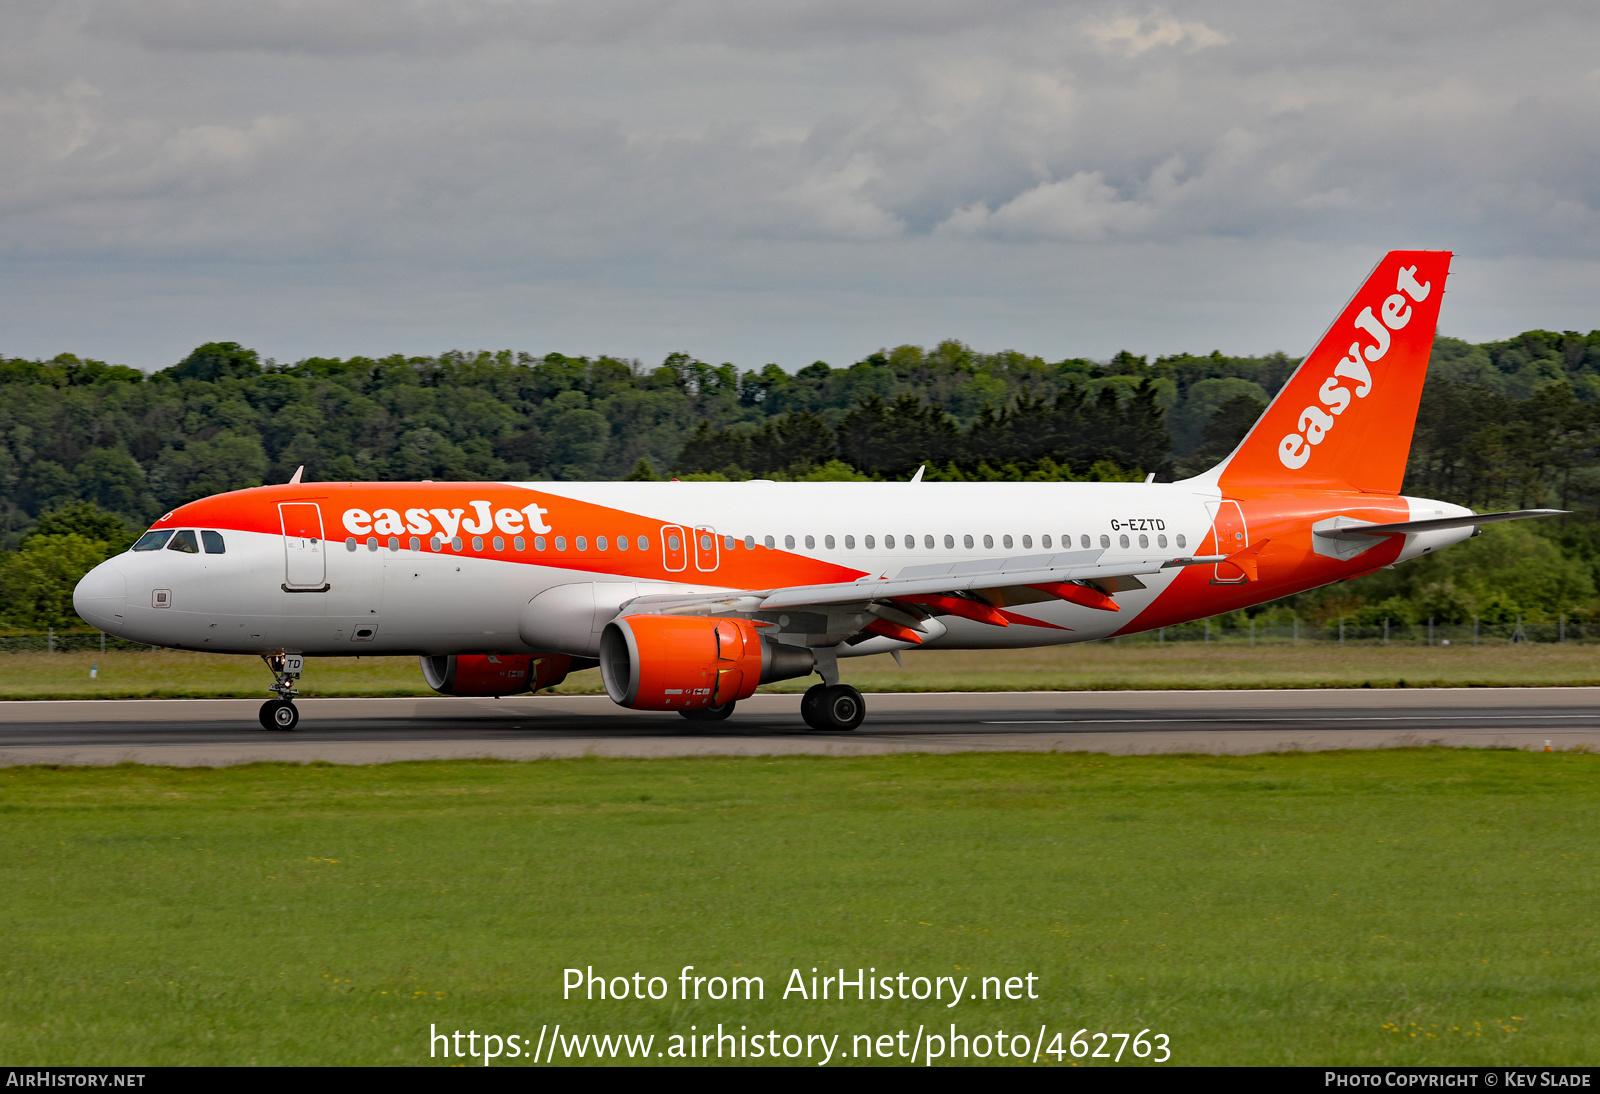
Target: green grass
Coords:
[(1400, 907), (1094, 666)]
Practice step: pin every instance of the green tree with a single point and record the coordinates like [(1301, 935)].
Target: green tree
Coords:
[(216, 361), (39, 579), (85, 519)]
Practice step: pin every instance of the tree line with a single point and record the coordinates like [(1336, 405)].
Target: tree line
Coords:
[(90, 452)]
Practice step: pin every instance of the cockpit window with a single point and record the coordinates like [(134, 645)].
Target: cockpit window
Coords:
[(184, 541), (213, 542), (153, 541)]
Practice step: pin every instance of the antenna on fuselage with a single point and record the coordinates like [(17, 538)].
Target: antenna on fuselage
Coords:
[(918, 476), (294, 480)]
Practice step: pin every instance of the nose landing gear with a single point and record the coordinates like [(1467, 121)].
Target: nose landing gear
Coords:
[(281, 713)]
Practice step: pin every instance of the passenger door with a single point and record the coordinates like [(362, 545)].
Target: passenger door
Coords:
[(304, 550), (1232, 537)]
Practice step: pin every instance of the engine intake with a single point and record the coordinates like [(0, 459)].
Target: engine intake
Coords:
[(495, 673), (675, 662)]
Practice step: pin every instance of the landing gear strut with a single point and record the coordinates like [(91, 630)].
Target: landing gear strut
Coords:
[(833, 706), (281, 713)]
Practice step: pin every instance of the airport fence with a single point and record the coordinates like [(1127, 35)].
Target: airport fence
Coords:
[(1229, 630), (67, 642), (1234, 631)]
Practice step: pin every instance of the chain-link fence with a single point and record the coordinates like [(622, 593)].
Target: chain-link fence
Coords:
[(1236, 631), (66, 642), (1227, 629)]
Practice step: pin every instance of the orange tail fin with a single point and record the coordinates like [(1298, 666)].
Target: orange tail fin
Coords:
[(1346, 416)]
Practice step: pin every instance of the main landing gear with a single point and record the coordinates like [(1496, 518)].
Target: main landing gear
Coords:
[(281, 713), (833, 706)]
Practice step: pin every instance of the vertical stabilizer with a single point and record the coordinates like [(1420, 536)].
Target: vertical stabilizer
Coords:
[(1345, 418)]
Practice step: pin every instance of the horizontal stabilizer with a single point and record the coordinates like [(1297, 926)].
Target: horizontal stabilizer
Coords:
[(1439, 524)]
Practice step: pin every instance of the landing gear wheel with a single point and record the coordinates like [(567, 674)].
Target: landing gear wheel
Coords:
[(839, 707), (279, 714), (708, 714), (808, 706)]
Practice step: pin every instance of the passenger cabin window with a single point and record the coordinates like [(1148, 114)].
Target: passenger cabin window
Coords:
[(213, 543), (153, 541), (184, 540)]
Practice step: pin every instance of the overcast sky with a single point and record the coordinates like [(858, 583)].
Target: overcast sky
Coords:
[(781, 181)]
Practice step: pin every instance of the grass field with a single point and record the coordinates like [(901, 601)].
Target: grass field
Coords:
[(1091, 666), (1399, 907)]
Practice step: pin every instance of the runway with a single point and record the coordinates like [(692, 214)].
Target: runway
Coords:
[(216, 732)]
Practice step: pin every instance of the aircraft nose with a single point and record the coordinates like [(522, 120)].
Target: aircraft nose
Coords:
[(101, 598)]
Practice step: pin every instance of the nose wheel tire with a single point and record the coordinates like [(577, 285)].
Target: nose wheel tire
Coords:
[(708, 714), (279, 714), (839, 707)]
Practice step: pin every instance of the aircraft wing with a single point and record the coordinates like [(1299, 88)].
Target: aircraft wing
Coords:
[(948, 580)]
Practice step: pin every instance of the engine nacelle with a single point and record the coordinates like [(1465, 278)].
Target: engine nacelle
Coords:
[(495, 673), (678, 662)]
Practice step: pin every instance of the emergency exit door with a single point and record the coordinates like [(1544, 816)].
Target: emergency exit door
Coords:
[(305, 553), (674, 548)]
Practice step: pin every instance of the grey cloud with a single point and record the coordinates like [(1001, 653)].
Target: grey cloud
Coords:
[(444, 26), (688, 146)]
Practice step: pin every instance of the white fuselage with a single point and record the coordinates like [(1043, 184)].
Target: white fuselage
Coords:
[(440, 600)]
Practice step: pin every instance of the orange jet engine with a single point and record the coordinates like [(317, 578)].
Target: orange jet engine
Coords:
[(495, 673), (676, 662)]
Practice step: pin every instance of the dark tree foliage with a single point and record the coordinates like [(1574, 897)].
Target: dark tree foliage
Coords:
[(1224, 430), (789, 442), (1508, 422), (893, 439)]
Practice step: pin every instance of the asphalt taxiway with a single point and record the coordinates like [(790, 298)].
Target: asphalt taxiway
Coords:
[(214, 732)]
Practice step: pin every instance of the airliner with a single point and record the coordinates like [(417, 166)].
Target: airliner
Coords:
[(687, 596)]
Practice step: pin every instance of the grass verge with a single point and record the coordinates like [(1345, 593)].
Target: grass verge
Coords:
[(1372, 908), (1095, 667)]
